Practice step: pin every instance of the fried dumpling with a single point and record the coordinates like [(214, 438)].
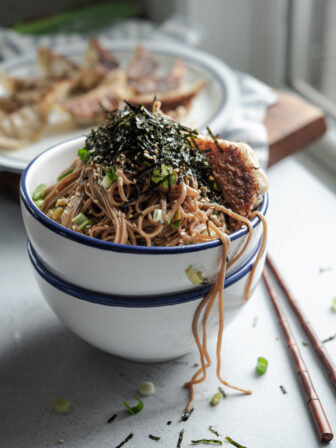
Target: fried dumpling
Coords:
[(237, 173), (98, 56), (155, 84), (22, 119), (142, 64), (56, 66), (170, 100)]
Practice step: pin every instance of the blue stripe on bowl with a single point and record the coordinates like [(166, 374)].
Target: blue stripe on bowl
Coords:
[(115, 247), (131, 301)]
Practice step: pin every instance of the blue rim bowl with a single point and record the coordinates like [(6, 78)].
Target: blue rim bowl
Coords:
[(116, 247)]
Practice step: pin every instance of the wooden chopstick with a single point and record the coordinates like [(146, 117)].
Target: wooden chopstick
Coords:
[(317, 344), (315, 407)]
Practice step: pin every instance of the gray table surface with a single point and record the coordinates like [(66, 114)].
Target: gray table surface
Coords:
[(41, 360)]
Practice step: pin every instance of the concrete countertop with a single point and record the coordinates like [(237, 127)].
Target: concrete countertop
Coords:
[(41, 360)]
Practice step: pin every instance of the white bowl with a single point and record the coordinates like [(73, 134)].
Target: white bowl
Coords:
[(147, 329), (116, 268)]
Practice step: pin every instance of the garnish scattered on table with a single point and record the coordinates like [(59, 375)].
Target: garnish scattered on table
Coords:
[(186, 415), (283, 390), (255, 321), (135, 409), (262, 365), (238, 445), (216, 399), (128, 438), (156, 438), (61, 406), (324, 269), (207, 442), (147, 388), (111, 419), (330, 338), (211, 429), (180, 438), (334, 304)]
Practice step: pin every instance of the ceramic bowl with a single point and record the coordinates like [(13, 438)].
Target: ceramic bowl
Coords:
[(147, 329), (112, 268)]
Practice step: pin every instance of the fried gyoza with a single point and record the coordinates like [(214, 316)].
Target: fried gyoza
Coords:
[(24, 115), (88, 108), (237, 173), (56, 66), (97, 56)]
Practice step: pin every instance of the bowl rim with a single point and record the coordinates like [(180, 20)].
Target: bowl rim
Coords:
[(108, 245), (134, 301)]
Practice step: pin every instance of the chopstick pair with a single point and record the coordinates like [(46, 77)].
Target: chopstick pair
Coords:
[(316, 409)]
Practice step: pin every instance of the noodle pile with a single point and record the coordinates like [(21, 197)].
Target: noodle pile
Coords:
[(123, 190)]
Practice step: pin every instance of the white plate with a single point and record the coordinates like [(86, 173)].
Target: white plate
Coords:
[(213, 106)]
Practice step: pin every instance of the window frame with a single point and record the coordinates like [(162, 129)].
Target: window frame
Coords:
[(293, 80)]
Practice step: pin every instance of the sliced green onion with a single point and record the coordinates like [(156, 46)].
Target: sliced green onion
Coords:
[(39, 191), (216, 399), (176, 224), (106, 182), (166, 172), (157, 215), (61, 406), (238, 445), (135, 409), (111, 172), (65, 174), (207, 442), (216, 213), (83, 154), (180, 438), (81, 220), (39, 202), (147, 388), (262, 364), (214, 431), (334, 304), (195, 277)]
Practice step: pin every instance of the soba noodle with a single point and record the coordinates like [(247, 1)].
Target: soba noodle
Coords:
[(132, 204)]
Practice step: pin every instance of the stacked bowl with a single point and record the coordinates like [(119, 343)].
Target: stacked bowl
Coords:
[(133, 301)]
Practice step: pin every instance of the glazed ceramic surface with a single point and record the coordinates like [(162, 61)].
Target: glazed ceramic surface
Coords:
[(148, 329), (116, 268)]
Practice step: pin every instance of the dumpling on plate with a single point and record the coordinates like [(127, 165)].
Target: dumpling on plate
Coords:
[(89, 107), (56, 66), (24, 115), (98, 56)]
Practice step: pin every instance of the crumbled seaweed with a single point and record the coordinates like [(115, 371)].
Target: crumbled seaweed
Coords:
[(330, 338), (211, 429), (154, 437), (238, 445), (180, 438), (186, 415), (283, 390), (128, 438), (169, 422), (142, 141), (325, 269), (207, 442), (111, 419)]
